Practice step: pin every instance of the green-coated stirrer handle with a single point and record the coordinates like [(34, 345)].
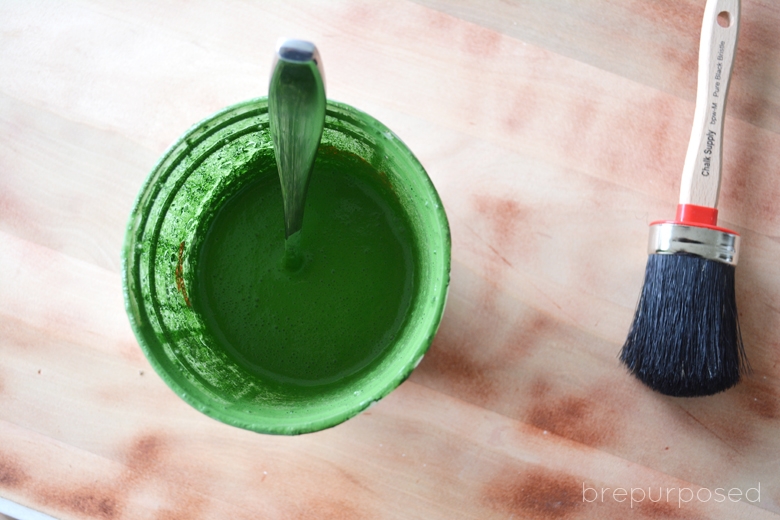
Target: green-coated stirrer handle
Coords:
[(296, 108)]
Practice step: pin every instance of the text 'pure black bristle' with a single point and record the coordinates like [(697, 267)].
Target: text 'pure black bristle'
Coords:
[(685, 339)]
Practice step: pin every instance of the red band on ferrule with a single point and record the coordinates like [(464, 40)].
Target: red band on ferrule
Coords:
[(694, 215), (698, 216)]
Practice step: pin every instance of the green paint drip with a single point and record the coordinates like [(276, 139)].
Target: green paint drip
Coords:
[(322, 305)]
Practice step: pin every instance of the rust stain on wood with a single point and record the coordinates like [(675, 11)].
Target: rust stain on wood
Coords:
[(569, 417), (504, 229), (760, 397), (87, 502), (741, 414), (589, 418), (666, 509), (660, 138), (504, 214), (757, 42), (12, 474), (539, 494), (682, 22), (544, 494), (148, 458), (523, 109), (528, 333), (477, 353), (470, 377), (480, 41), (112, 498), (682, 17), (145, 453), (584, 113), (438, 21)]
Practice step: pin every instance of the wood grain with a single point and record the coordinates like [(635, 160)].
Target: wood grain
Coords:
[(616, 36), (525, 115)]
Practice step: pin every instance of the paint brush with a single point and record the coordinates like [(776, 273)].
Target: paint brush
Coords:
[(685, 338)]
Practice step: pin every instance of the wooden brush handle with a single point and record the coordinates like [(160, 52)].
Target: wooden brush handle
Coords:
[(701, 173)]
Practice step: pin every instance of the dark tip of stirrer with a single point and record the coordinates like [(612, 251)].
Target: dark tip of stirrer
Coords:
[(685, 339)]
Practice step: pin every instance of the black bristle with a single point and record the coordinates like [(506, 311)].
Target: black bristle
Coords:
[(685, 339)]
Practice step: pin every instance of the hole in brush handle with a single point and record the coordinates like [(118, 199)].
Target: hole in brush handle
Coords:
[(724, 19)]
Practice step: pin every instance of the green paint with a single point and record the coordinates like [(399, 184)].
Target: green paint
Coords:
[(213, 341), (340, 309)]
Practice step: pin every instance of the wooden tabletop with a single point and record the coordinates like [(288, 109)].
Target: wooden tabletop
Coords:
[(554, 132)]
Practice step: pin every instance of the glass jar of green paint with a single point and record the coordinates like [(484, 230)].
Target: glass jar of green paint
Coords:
[(251, 343)]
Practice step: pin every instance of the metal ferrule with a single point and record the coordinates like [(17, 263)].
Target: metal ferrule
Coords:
[(668, 238)]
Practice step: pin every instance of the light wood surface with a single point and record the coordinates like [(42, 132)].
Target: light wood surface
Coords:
[(555, 131)]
